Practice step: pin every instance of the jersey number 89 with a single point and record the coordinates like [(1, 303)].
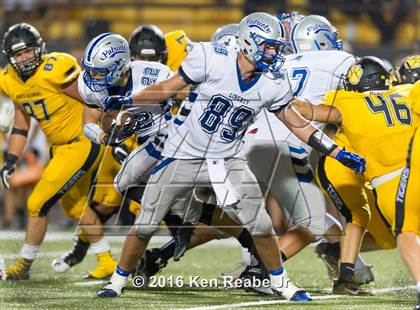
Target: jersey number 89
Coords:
[(216, 110)]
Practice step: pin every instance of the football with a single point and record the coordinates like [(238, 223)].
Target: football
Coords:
[(121, 119)]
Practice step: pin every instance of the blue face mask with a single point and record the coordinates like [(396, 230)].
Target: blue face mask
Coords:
[(99, 84), (265, 59)]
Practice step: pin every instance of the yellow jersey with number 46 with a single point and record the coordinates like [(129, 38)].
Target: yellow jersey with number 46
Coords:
[(41, 96), (378, 125)]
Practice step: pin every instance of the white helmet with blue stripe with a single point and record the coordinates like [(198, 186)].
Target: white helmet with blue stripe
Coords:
[(226, 35), (259, 32), (106, 59), (313, 33)]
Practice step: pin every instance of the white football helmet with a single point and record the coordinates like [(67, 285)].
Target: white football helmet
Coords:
[(106, 58), (313, 33), (289, 20), (257, 33), (226, 35)]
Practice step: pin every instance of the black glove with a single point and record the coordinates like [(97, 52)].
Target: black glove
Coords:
[(120, 153), (8, 168)]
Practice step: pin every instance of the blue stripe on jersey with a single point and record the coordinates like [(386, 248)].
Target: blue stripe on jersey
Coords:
[(163, 164), (305, 177), (296, 150), (244, 86), (152, 151), (177, 121), (94, 43), (192, 97)]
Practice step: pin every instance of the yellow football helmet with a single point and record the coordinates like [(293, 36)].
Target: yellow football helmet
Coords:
[(409, 70)]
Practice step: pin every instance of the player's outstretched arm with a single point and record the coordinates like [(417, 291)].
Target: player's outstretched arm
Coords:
[(318, 140), (155, 93), (16, 144), (319, 113)]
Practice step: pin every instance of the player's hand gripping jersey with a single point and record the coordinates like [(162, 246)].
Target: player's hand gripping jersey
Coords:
[(222, 104)]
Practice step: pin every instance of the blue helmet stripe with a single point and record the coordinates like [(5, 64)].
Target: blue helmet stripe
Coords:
[(94, 43)]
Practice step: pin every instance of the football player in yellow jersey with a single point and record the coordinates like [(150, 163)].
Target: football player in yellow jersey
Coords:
[(408, 194), (409, 70), (43, 86), (379, 124)]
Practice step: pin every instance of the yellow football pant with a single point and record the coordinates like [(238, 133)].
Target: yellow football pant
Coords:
[(67, 176)]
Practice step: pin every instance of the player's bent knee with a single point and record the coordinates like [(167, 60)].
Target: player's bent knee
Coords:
[(146, 231), (263, 227), (361, 217), (35, 207)]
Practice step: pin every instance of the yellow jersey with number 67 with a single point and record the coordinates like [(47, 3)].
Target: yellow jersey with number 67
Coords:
[(41, 96), (378, 125)]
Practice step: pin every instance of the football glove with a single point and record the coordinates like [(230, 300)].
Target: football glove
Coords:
[(116, 102), (8, 168), (352, 161), (120, 153), (119, 135)]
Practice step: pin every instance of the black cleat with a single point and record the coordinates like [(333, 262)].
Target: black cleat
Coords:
[(255, 275), (349, 287), (182, 240), (71, 258), (149, 265), (330, 260)]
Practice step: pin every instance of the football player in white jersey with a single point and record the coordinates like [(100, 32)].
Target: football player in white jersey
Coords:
[(231, 88), (312, 73), (316, 66), (108, 70)]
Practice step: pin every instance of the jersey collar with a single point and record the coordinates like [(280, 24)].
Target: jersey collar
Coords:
[(246, 85)]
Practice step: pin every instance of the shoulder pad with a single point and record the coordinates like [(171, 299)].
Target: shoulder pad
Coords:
[(60, 68)]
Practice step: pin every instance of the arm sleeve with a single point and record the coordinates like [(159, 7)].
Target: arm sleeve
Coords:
[(193, 68)]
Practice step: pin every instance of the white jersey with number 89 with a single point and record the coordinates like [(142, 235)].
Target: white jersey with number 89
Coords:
[(222, 105)]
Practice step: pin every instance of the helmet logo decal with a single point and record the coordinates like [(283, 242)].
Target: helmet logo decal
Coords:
[(319, 27), (354, 75), (255, 23), (413, 62), (114, 51)]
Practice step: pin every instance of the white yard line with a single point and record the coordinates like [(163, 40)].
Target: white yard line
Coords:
[(61, 236), (89, 283), (275, 302)]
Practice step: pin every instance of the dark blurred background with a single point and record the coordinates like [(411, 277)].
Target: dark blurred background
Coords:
[(385, 28)]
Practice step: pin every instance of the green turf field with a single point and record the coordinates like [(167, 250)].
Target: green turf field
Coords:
[(49, 290)]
